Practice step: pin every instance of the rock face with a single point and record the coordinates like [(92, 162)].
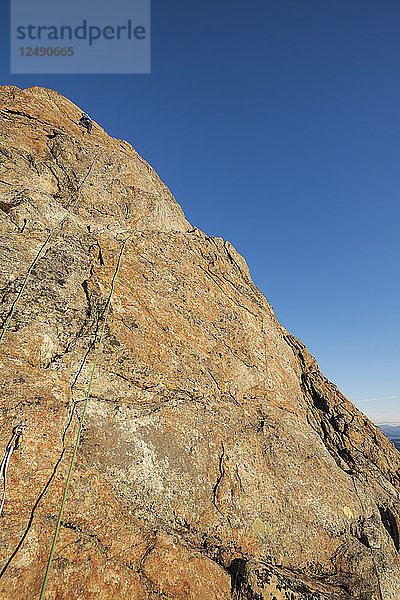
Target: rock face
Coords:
[(216, 461)]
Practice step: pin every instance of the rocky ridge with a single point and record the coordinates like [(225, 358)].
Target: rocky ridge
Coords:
[(216, 461)]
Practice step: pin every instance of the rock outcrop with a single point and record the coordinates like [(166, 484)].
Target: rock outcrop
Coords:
[(216, 461)]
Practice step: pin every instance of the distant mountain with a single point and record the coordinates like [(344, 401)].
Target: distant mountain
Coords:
[(391, 430)]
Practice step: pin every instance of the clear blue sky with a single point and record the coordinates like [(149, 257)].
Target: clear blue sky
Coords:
[(276, 125)]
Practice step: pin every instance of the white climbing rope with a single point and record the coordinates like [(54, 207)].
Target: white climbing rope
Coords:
[(12, 445)]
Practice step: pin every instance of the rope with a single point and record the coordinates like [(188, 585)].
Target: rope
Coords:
[(12, 445), (78, 436), (42, 249)]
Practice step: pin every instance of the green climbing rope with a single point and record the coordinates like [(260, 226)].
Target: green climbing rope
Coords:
[(42, 249), (78, 436)]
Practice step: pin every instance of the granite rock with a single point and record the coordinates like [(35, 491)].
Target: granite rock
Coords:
[(216, 461)]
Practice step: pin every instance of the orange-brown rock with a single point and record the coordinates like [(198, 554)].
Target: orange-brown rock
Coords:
[(216, 461)]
